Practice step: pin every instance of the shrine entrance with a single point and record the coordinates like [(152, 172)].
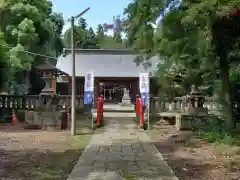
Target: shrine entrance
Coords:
[(113, 90)]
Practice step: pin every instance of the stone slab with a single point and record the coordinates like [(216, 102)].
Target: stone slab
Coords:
[(119, 152)]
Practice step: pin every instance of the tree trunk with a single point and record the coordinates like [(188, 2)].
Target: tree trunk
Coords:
[(222, 44), (226, 92)]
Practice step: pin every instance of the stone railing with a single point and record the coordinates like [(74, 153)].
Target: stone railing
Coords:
[(31, 102), (163, 104)]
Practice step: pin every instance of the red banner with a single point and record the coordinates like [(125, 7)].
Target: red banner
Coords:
[(141, 113), (99, 110), (139, 110)]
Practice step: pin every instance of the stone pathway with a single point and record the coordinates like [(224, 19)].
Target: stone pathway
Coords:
[(120, 151)]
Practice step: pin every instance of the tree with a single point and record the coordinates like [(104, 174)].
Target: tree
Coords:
[(140, 32), (82, 23), (30, 26), (91, 33), (4, 64), (191, 36), (85, 38), (118, 37), (100, 33), (222, 21), (183, 48), (57, 43), (110, 43)]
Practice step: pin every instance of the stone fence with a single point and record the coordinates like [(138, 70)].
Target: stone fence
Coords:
[(177, 104), (157, 104), (31, 102), (43, 111)]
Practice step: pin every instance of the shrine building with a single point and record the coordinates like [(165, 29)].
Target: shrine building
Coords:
[(113, 69)]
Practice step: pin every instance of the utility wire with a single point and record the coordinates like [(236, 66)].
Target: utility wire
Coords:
[(29, 52)]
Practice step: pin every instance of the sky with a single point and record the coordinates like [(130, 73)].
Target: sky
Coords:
[(101, 11)]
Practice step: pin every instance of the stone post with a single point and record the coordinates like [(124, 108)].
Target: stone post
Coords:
[(47, 91)]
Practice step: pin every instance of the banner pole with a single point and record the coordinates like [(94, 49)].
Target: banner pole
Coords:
[(93, 101), (92, 115), (148, 103)]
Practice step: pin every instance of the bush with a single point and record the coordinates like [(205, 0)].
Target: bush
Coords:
[(6, 116), (217, 133), (235, 83), (234, 76)]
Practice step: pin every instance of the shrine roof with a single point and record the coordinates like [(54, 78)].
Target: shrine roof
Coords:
[(105, 63)]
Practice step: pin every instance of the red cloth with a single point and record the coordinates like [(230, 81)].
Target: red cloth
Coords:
[(137, 105), (98, 111), (141, 114)]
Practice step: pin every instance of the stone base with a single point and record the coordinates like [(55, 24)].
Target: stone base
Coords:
[(197, 111), (126, 102), (189, 122), (46, 119)]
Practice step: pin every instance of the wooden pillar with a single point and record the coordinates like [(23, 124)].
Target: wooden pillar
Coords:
[(81, 86), (54, 85), (134, 90)]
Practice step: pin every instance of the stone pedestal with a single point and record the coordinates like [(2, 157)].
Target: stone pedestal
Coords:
[(44, 119), (190, 122), (126, 100)]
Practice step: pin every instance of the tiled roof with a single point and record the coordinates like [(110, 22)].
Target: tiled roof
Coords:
[(104, 65), (45, 65), (48, 66)]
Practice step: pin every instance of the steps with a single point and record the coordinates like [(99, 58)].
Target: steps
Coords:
[(116, 110)]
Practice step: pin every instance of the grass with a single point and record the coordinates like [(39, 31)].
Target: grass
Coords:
[(58, 166), (43, 156), (226, 144), (127, 176), (218, 134)]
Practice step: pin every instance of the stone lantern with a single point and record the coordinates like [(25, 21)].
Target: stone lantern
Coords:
[(196, 97), (47, 71), (46, 114), (47, 76), (195, 101)]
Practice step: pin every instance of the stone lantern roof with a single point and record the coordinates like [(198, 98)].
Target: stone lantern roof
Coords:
[(47, 66), (48, 72)]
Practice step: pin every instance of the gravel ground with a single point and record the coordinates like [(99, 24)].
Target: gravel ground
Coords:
[(39, 155), (194, 159)]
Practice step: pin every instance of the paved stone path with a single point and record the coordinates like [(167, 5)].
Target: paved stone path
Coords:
[(120, 151)]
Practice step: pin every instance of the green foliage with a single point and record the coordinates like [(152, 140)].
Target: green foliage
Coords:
[(111, 43), (56, 43), (4, 65), (30, 26), (218, 133), (197, 42), (84, 38), (173, 41), (235, 90), (87, 39), (100, 33), (108, 42), (82, 23)]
